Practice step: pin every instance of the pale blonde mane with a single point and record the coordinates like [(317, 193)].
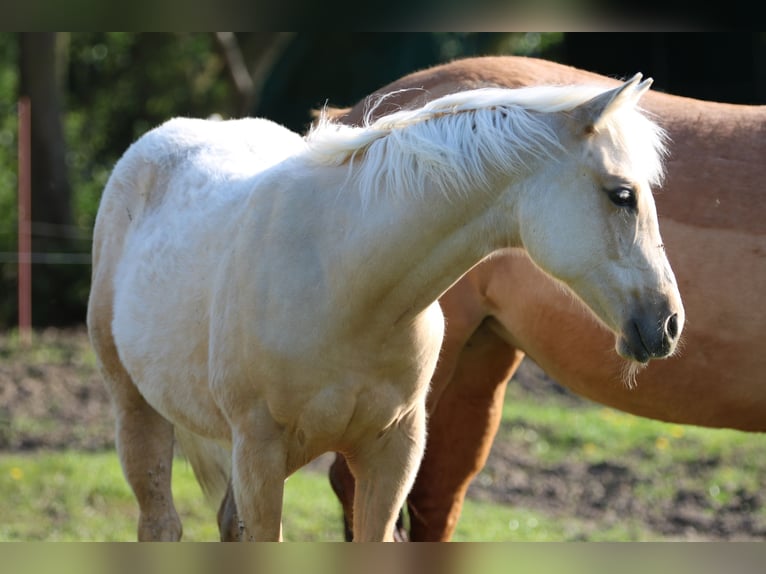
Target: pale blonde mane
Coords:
[(455, 140)]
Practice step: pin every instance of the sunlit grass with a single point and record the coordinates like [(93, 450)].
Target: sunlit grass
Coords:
[(486, 521), (594, 433), (73, 496), (64, 496), (48, 347)]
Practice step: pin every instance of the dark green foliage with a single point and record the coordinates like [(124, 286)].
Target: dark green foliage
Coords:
[(115, 87)]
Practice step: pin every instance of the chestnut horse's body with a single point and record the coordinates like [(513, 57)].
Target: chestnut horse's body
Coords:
[(712, 210)]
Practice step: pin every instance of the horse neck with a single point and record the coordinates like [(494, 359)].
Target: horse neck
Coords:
[(427, 212), (415, 249)]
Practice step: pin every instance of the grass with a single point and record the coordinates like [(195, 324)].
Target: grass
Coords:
[(483, 521), (75, 496), (597, 433)]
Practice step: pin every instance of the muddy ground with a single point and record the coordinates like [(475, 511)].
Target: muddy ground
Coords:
[(52, 398)]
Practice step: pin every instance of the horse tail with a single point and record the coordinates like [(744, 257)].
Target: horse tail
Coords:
[(210, 461)]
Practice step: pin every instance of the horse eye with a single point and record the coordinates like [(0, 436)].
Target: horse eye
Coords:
[(623, 197)]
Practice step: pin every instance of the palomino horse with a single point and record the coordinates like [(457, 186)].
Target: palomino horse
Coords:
[(712, 212), (270, 298)]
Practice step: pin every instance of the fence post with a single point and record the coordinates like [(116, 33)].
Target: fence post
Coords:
[(25, 220)]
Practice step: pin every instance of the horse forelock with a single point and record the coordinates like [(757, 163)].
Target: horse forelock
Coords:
[(644, 140), (452, 140)]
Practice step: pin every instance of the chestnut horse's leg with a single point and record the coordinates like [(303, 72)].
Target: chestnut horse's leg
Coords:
[(460, 434), (384, 470)]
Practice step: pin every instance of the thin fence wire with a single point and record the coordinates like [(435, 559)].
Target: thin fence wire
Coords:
[(82, 236), (48, 258)]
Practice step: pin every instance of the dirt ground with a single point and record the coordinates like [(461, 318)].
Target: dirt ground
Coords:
[(54, 399)]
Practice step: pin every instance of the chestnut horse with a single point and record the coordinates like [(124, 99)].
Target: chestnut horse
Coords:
[(712, 209), (268, 298)]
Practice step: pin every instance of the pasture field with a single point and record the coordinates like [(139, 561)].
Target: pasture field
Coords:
[(562, 468)]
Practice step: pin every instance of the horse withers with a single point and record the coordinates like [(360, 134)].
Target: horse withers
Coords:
[(266, 298)]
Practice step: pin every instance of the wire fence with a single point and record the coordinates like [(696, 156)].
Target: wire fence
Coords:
[(73, 234), (47, 258)]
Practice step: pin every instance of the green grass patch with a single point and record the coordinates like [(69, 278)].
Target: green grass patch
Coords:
[(490, 522), (76, 496), (49, 347), (73, 496), (64, 497), (594, 433)]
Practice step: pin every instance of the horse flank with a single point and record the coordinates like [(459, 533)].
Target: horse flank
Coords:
[(410, 147)]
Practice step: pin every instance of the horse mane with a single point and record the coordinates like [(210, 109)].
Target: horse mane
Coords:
[(455, 140)]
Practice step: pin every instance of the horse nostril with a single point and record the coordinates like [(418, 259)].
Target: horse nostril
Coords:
[(671, 326)]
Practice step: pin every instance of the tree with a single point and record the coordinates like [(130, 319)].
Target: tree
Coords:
[(261, 51), (40, 69)]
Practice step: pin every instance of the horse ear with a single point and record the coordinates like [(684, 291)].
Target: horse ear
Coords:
[(594, 111)]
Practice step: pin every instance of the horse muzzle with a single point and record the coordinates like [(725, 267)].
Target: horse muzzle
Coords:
[(651, 337)]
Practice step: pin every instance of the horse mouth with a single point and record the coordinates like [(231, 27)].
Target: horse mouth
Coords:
[(631, 345)]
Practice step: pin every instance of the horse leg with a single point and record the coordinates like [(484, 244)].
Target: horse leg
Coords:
[(259, 466), (384, 472), (342, 483), (144, 439), (460, 434), (145, 446), (144, 442)]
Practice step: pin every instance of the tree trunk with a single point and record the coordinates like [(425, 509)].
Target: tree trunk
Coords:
[(56, 288), (39, 79)]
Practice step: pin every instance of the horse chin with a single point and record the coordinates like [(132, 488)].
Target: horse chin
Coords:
[(636, 358), (629, 372)]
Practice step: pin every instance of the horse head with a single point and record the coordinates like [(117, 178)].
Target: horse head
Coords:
[(598, 232)]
